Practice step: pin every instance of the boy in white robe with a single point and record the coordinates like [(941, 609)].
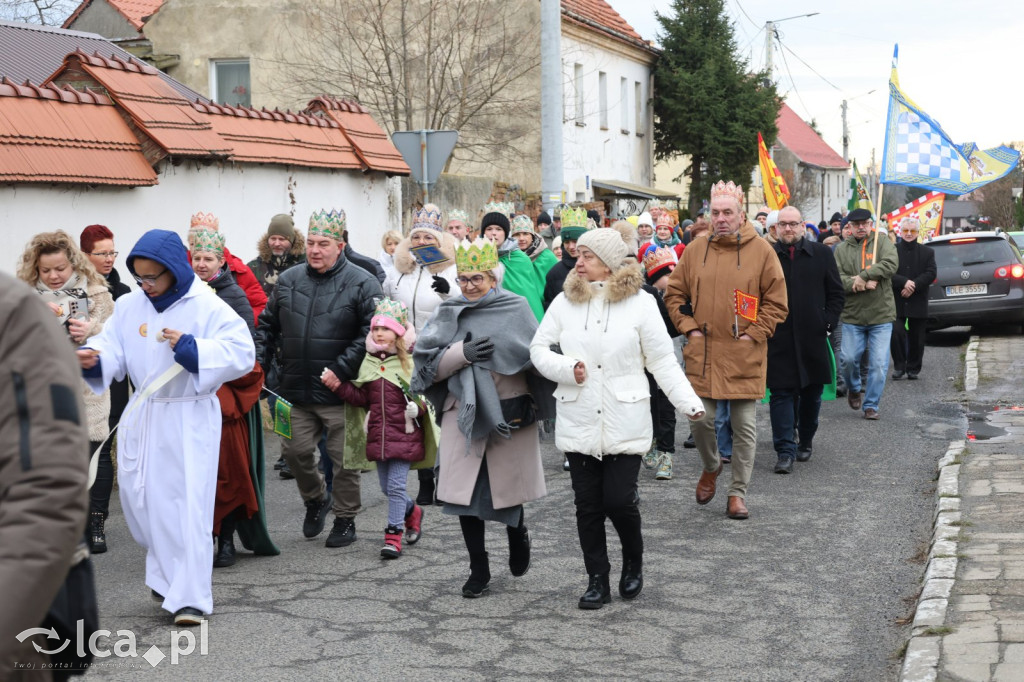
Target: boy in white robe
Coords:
[(178, 342)]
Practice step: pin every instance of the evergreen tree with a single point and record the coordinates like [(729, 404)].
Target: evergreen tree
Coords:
[(707, 104)]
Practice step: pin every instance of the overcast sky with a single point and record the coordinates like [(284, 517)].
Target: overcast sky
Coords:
[(960, 62)]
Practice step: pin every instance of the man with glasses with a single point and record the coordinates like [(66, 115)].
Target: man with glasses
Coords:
[(798, 352), (910, 284), (867, 261)]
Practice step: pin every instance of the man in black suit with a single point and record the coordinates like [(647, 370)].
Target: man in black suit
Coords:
[(910, 288), (798, 352)]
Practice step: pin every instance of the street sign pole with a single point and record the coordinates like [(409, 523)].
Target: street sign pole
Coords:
[(426, 152), (426, 169)]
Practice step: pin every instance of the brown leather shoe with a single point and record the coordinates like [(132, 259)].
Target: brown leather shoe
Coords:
[(871, 413), (706, 485), (736, 509), (855, 398)]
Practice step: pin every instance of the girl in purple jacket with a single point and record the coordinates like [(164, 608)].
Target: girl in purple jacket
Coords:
[(394, 428)]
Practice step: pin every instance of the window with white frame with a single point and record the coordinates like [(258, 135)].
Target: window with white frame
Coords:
[(577, 81), (624, 104), (602, 91), (230, 83)]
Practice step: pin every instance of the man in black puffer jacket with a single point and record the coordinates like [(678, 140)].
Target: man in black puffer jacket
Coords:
[(319, 317)]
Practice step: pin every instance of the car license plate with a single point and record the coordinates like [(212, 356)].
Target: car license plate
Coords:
[(966, 289)]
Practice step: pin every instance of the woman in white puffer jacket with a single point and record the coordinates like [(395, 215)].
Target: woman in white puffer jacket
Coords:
[(595, 341)]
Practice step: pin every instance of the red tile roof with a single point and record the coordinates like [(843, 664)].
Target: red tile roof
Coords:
[(164, 115), (62, 135), (369, 141), (135, 11), (276, 137), (807, 145), (600, 16)]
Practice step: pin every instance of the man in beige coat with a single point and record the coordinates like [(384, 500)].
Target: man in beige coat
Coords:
[(43, 471), (726, 295)]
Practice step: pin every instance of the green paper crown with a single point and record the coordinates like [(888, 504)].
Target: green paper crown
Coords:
[(458, 214), (574, 217), (207, 240), (396, 310), (330, 225), (479, 256), (503, 207), (522, 223)]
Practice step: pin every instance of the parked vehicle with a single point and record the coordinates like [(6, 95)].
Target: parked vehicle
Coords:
[(1018, 239), (980, 280)]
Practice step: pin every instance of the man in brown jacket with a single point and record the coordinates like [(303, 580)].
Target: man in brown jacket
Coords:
[(726, 295), (44, 465)]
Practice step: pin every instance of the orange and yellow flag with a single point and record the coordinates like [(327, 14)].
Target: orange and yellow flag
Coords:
[(746, 305), (776, 193)]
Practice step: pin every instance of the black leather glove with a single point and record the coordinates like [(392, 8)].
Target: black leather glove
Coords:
[(476, 350), (441, 285)]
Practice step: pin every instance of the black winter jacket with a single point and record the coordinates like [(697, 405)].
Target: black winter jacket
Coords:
[(368, 264), (116, 286), (917, 262), (318, 321), (556, 277), (227, 290)]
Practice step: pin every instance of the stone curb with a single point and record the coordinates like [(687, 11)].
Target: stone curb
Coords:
[(971, 364), (921, 662)]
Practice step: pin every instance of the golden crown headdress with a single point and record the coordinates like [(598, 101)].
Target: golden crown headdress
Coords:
[(208, 240), (727, 189), (327, 224), (204, 221), (503, 207), (655, 259), (478, 256), (574, 217), (427, 218), (522, 223)]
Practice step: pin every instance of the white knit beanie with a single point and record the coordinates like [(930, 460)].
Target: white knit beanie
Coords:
[(607, 245)]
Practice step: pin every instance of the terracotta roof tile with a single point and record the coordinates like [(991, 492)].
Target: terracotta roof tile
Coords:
[(369, 141), (135, 11), (62, 135), (599, 15), (164, 115), (807, 145), (285, 138)]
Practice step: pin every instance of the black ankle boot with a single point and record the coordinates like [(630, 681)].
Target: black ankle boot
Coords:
[(632, 580), (479, 576), (225, 551), (426, 494), (598, 593), (97, 536), (518, 550)]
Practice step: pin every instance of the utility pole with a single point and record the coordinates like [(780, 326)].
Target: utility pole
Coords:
[(846, 135), (551, 103), (769, 35)]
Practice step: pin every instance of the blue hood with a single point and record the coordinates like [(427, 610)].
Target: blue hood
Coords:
[(165, 247)]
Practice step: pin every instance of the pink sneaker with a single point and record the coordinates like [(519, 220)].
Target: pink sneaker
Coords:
[(392, 548), (413, 523)]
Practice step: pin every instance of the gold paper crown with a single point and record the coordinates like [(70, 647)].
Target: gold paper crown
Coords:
[(395, 310), (664, 218), (574, 217), (204, 221), (656, 259), (522, 223), (727, 189), (208, 240), (330, 225), (503, 207), (478, 256), (458, 214)]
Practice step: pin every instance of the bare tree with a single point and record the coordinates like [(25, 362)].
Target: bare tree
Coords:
[(435, 64), (45, 12)]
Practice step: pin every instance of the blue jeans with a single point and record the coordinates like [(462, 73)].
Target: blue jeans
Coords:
[(875, 339), (723, 429), (794, 412)]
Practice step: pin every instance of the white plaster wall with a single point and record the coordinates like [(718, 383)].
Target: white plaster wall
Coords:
[(837, 190), (588, 150), (243, 197)]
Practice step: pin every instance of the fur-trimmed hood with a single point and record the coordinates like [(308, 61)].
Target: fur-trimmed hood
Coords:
[(298, 249), (406, 264), (623, 283)]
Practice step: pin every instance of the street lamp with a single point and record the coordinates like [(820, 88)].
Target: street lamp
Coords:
[(769, 30)]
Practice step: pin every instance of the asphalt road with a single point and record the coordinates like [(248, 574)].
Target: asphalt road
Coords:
[(811, 587)]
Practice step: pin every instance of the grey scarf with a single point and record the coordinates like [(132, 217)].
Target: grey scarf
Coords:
[(501, 315)]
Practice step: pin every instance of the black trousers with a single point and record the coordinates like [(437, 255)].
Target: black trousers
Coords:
[(663, 417), (99, 494), (606, 489), (907, 347)]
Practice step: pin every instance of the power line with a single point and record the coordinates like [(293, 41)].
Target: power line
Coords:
[(747, 15), (790, 74), (808, 66)]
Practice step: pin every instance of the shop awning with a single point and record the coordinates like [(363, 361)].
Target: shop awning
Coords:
[(631, 191)]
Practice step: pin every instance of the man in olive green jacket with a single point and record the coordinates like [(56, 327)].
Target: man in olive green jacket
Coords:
[(866, 269)]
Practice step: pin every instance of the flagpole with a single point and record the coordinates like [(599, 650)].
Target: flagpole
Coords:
[(874, 247)]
